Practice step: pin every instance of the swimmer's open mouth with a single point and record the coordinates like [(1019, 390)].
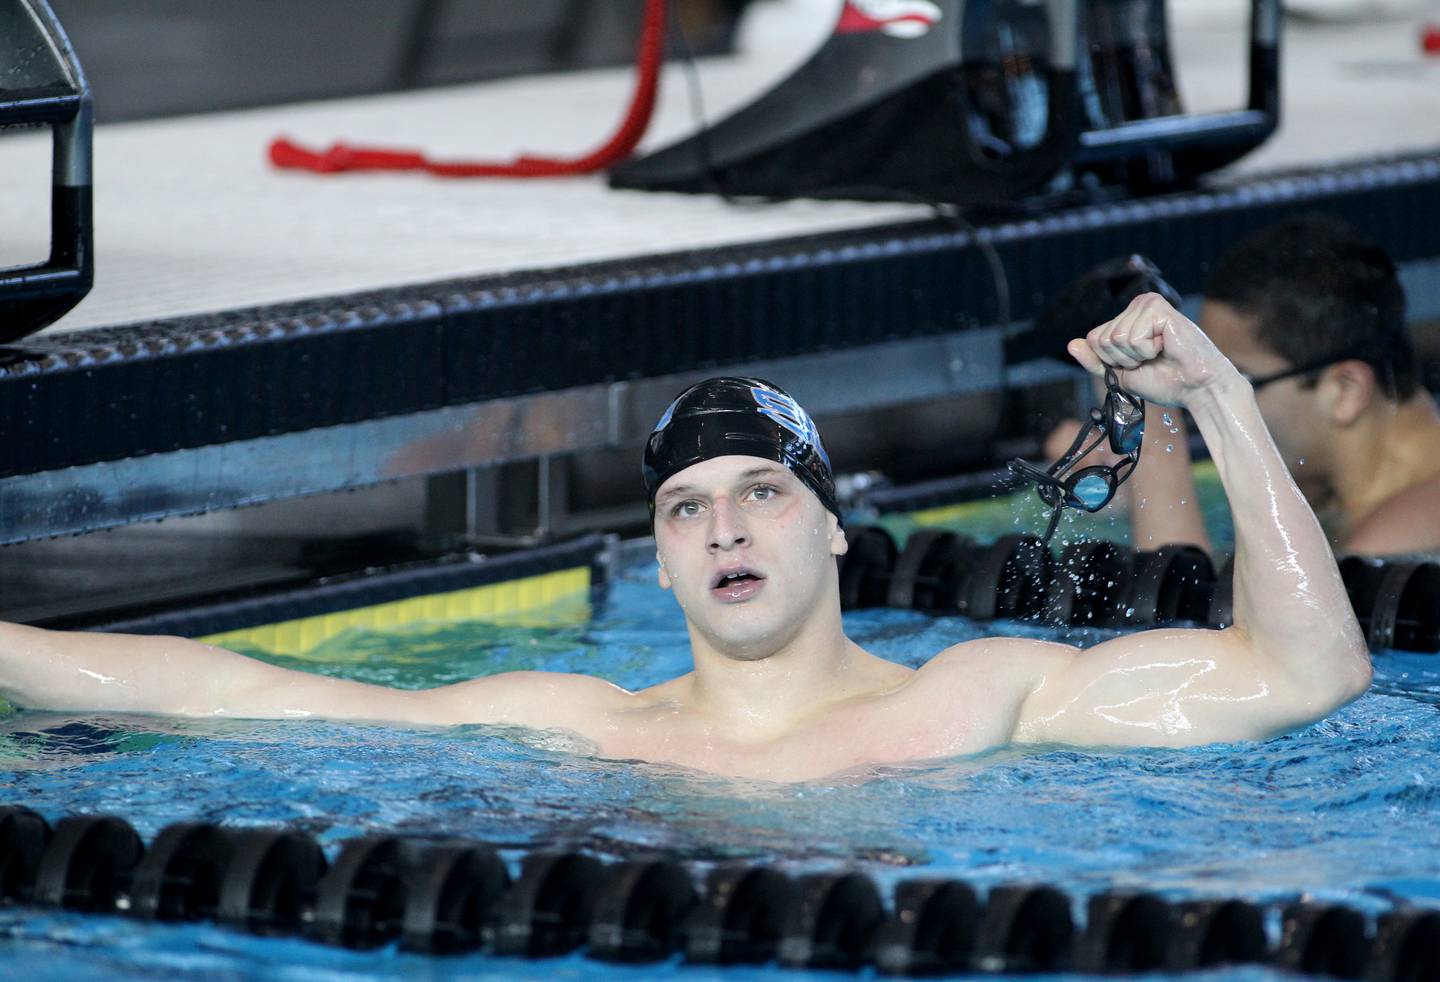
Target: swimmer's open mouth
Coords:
[(728, 579)]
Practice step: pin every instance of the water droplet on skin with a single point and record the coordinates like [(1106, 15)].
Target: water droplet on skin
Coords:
[(1301, 462), (1169, 448), (1174, 429), (1165, 418), (1182, 501)]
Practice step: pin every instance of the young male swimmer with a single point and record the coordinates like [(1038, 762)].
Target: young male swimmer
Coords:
[(747, 535)]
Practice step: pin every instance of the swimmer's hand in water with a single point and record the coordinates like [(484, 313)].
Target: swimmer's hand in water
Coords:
[(1158, 353)]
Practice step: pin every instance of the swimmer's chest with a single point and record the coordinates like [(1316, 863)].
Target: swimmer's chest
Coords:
[(903, 727)]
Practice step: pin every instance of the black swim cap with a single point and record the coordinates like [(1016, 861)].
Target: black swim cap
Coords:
[(748, 417)]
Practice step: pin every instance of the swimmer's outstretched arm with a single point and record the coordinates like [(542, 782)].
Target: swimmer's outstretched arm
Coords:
[(80, 671), (1295, 651)]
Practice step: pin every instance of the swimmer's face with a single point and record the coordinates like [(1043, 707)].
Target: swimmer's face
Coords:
[(754, 519), (1290, 409)]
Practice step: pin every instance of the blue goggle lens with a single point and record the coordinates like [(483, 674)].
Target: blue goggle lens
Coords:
[(1091, 491)]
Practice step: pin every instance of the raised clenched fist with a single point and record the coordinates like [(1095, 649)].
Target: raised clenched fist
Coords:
[(1158, 353)]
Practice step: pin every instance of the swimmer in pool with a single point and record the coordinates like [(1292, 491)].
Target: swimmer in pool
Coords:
[(1313, 314), (747, 536)]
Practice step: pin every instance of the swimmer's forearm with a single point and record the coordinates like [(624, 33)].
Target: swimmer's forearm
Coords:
[(1290, 602), (42, 669), (60, 670), (1163, 508)]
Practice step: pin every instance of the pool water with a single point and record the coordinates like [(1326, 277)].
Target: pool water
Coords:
[(1343, 810)]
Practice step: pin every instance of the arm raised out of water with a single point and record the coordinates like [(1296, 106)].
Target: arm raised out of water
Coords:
[(1295, 651), (178, 677)]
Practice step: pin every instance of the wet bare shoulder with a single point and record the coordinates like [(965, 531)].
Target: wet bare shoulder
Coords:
[(538, 700), (981, 686), (991, 661), (1407, 522)]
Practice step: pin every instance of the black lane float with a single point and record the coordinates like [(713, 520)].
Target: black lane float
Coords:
[(1106, 585), (447, 896)]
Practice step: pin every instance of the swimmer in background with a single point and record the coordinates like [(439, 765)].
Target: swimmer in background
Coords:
[(747, 535), (1313, 314)]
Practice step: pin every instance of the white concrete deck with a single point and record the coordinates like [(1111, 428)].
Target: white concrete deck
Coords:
[(190, 218)]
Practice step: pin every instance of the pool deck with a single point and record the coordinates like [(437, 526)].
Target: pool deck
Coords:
[(190, 218)]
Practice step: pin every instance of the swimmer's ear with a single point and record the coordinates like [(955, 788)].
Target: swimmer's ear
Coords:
[(663, 576), (1349, 388)]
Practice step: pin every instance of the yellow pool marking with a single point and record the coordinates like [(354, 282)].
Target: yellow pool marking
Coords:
[(493, 601)]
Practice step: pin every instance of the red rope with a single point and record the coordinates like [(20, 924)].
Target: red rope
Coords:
[(342, 157)]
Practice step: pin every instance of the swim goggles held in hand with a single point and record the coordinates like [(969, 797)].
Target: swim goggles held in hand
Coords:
[(1122, 420)]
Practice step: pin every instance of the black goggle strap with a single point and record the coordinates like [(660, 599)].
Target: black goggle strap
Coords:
[(1049, 478), (1043, 479), (1068, 458), (1125, 468), (1055, 513), (1264, 380), (1305, 368), (1031, 472), (1043, 482)]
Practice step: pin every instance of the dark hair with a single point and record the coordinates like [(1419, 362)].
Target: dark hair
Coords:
[(1320, 289)]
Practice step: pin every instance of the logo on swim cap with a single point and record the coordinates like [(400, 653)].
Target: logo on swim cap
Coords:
[(665, 419), (784, 410)]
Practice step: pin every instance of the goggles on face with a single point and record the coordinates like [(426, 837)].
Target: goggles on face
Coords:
[(1258, 382), (1121, 420)]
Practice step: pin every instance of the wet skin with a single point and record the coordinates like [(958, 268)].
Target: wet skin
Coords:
[(1368, 463), (778, 692), (1286, 405), (1371, 461)]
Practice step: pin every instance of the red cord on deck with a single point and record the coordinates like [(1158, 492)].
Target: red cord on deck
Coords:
[(341, 157), (1430, 39)]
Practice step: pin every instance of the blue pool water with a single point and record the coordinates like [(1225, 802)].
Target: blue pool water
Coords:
[(1344, 810)]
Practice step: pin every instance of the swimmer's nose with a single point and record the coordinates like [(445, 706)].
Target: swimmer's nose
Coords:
[(727, 526)]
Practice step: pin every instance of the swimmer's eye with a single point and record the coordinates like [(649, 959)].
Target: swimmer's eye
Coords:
[(688, 508)]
